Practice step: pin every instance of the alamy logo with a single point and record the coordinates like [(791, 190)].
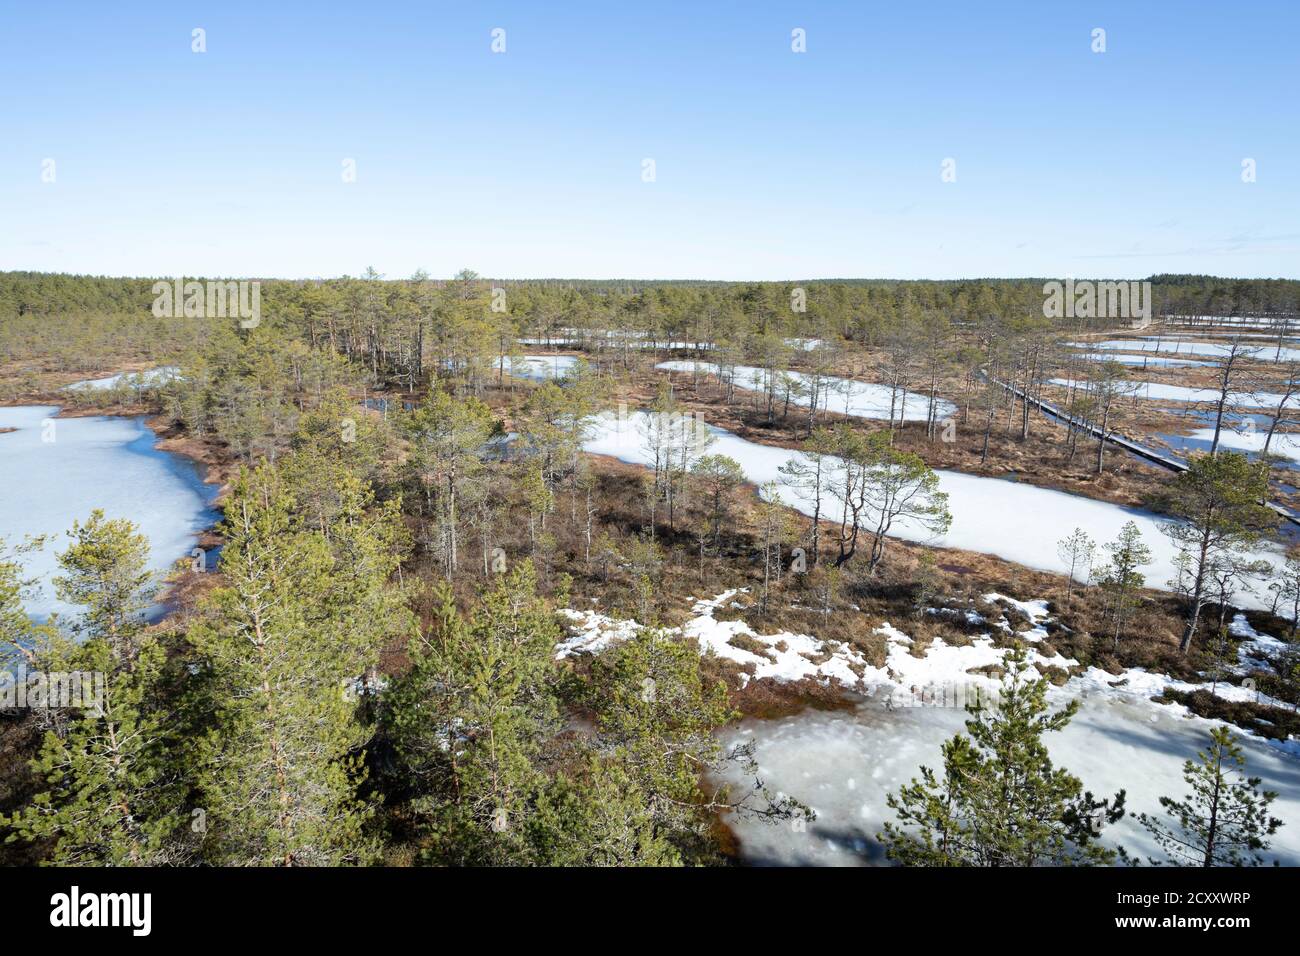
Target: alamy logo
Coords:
[(1096, 300), (52, 690), (212, 299), (960, 695), (103, 909)]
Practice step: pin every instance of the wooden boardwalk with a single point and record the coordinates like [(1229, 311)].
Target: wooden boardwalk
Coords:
[(1120, 441)]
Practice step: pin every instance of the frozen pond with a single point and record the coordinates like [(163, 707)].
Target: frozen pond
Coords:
[(540, 368), (153, 376), (843, 764), (1019, 522), (1141, 361), (56, 470), (843, 395), (612, 339), (1242, 431), (1159, 391), (1192, 336), (1173, 346), (1286, 445)]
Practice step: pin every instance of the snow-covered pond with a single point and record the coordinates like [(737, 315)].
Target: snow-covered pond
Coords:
[(1284, 444), (843, 764), (803, 345), (1174, 346), (1018, 522), (153, 376), (1160, 391), (540, 368), (56, 470), (1141, 361), (612, 339), (843, 395), (1196, 336)]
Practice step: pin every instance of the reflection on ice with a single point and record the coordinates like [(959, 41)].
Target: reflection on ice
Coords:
[(54, 470)]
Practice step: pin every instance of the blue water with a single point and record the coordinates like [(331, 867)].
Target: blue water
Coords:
[(1187, 444), (56, 470)]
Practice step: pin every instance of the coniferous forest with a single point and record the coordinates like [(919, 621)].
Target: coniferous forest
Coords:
[(549, 459), (366, 669)]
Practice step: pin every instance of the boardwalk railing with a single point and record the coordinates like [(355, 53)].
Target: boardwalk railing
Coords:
[(1115, 438)]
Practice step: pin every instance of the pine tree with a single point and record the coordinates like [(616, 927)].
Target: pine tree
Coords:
[(1000, 801), (17, 632), (1224, 821), (597, 818), (658, 718), (469, 719), (807, 475), (105, 571), (445, 461), (717, 476), (1121, 578), (1076, 551), (774, 529), (111, 797), (1219, 497), (899, 486), (285, 646)]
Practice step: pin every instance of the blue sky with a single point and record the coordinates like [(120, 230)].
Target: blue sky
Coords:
[(768, 164)]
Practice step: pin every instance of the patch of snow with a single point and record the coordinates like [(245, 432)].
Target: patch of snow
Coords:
[(804, 345), (1256, 648), (591, 633), (782, 657), (1036, 611)]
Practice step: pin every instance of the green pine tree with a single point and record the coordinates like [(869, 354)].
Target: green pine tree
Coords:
[(18, 635), (470, 717), (110, 799), (105, 571), (1000, 801), (658, 718), (285, 646), (110, 795), (596, 818), (1224, 821)]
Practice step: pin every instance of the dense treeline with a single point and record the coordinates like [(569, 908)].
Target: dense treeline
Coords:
[(388, 323)]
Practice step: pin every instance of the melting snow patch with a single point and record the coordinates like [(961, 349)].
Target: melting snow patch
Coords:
[(1256, 648), (969, 616), (1036, 611), (908, 677), (783, 657), (591, 633)]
